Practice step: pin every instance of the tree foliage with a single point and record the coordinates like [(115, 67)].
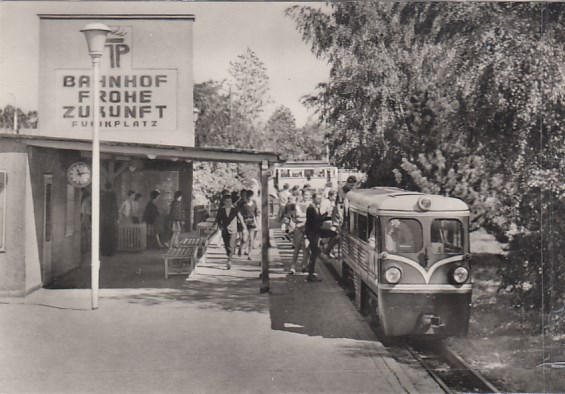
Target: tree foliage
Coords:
[(26, 120), (461, 99), (293, 143), (249, 86)]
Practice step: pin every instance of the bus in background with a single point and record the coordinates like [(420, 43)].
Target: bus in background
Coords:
[(343, 174), (315, 173)]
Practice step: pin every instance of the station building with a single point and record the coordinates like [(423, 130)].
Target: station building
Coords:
[(146, 131)]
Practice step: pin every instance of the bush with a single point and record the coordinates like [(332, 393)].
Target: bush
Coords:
[(534, 269)]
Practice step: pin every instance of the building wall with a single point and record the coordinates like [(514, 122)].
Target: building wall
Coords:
[(65, 249), (13, 158)]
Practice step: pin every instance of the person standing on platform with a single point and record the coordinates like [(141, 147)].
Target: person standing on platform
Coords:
[(177, 217), (241, 235), (299, 241), (328, 207), (327, 188), (126, 209), (150, 216), (283, 200), (227, 218), (314, 231), (108, 221), (136, 209), (250, 214), (340, 200)]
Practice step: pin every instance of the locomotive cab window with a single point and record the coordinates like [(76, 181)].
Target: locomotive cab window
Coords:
[(447, 236), (403, 236)]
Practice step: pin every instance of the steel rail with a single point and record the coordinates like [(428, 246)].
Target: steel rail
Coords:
[(458, 362)]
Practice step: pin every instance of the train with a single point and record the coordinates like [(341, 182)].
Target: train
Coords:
[(408, 256)]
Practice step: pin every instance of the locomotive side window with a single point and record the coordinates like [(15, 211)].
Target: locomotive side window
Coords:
[(373, 230), (352, 222), (403, 236), (447, 236), (362, 227)]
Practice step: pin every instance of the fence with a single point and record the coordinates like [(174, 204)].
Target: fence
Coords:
[(132, 237)]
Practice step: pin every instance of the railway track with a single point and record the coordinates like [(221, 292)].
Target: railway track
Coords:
[(452, 373)]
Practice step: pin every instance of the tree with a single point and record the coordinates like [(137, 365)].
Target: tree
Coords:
[(249, 86), (283, 134), (463, 99), (249, 94), (213, 124), (26, 120)]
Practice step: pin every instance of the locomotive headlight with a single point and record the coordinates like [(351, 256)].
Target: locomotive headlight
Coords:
[(393, 275), (460, 275), (425, 203)]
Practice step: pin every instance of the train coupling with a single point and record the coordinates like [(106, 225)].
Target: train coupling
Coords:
[(430, 324)]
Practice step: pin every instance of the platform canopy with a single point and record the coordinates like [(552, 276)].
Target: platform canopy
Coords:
[(152, 151)]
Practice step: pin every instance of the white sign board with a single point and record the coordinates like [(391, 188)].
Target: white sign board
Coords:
[(145, 85)]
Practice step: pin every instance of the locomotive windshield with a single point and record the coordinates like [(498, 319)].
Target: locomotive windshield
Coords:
[(447, 236), (403, 236)]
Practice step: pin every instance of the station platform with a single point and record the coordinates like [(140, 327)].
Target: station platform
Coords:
[(212, 333)]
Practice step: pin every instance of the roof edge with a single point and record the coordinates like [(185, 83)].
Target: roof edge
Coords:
[(117, 16)]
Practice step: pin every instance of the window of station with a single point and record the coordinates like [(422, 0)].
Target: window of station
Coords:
[(403, 236), (3, 177), (447, 236)]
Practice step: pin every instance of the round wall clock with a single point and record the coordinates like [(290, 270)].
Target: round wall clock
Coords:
[(79, 174)]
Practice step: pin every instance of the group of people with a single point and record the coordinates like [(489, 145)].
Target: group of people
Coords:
[(160, 226), (309, 217), (238, 220)]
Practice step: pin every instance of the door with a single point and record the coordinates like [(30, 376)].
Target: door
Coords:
[(47, 227)]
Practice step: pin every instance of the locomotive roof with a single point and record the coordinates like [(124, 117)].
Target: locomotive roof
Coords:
[(395, 199)]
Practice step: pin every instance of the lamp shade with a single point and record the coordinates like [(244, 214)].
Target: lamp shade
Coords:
[(95, 34)]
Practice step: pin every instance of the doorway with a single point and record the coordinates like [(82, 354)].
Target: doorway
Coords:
[(47, 227)]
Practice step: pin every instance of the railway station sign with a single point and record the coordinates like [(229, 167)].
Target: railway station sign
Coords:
[(146, 82)]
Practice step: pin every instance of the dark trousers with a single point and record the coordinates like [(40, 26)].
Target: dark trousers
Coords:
[(314, 246), (229, 242), (314, 240)]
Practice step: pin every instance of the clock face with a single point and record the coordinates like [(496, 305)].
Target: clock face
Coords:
[(79, 174)]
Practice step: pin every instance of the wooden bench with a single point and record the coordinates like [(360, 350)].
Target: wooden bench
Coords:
[(201, 243), (180, 261), (206, 229)]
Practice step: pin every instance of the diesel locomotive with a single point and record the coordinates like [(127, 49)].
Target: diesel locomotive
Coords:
[(408, 255)]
